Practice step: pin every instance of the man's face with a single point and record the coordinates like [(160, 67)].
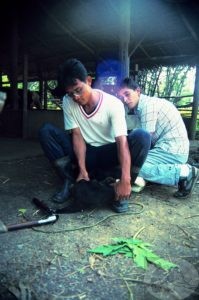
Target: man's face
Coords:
[(129, 96), (79, 92)]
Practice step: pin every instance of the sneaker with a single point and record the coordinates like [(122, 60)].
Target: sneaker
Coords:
[(138, 185), (186, 185), (120, 206)]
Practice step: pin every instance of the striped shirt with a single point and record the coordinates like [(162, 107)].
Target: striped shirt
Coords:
[(161, 118)]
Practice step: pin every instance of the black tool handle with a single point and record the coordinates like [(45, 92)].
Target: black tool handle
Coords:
[(43, 206), (50, 219)]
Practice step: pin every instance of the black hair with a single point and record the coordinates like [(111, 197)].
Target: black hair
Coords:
[(69, 72), (129, 83)]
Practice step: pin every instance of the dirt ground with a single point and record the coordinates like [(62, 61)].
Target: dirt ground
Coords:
[(52, 262)]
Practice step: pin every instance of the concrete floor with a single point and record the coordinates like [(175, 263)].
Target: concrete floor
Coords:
[(17, 148), (52, 262)]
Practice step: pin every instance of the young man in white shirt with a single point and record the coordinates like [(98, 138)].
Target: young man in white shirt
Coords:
[(98, 136)]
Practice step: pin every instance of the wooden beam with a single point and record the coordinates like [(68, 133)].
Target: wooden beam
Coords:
[(67, 30), (125, 37), (136, 46), (188, 25), (114, 7), (170, 41), (25, 96), (166, 57), (144, 51)]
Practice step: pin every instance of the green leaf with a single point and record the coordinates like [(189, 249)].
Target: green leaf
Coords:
[(160, 262), (128, 241), (129, 254), (140, 257), (136, 250), (106, 249), (22, 211), (82, 270), (125, 250)]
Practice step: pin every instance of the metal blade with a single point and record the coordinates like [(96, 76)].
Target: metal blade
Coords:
[(3, 227)]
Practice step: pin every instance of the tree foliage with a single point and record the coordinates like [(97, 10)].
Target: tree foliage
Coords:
[(168, 82)]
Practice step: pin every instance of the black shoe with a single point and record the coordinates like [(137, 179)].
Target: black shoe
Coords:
[(120, 206), (64, 194), (186, 185)]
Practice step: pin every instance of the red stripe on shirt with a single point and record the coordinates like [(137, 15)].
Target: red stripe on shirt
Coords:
[(95, 111)]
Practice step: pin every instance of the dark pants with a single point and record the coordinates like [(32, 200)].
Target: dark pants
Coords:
[(57, 143)]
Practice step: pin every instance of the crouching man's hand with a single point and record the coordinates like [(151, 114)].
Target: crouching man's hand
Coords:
[(122, 189), (83, 175)]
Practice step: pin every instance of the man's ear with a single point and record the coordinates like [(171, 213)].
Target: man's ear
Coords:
[(138, 90), (89, 80)]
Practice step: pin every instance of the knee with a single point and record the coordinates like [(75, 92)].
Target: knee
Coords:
[(141, 137), (45, 130), (141, 134)]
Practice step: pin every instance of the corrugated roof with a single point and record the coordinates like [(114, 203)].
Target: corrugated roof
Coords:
[(161, 32)]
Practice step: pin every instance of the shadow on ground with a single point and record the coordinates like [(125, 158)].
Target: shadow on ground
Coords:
[(52, 262)]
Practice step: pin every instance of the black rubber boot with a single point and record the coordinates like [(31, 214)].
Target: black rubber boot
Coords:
[(63, 195), (63, 167)]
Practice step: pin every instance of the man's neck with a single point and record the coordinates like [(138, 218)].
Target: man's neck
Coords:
[(93, 102)]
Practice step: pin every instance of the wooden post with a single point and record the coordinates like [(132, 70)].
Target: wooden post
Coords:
[(41, 85), (1, 83), (192, 128), (136, 72), (45, 94), (41, 89), (125, 38), (14, 60), (25, 97)]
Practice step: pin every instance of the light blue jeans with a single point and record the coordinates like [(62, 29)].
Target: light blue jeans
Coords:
[(162, 167)]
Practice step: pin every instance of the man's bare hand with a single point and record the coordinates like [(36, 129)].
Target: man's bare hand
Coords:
[(83, 175), (122, 189)]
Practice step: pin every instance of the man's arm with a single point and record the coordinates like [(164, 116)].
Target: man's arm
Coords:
[(123, 187), (79, 147)]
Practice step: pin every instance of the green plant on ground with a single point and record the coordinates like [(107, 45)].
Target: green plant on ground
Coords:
[(136, 250)]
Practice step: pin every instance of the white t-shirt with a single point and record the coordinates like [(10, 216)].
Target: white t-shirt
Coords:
[(100, 127)]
